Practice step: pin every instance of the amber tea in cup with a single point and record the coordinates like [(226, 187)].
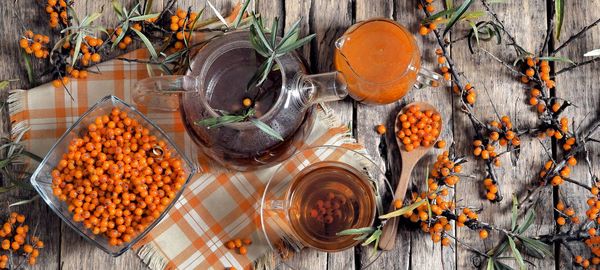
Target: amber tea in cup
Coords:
[(327, 198)]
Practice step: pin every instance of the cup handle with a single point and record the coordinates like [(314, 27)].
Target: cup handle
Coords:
[(162, 93), (426, 77)]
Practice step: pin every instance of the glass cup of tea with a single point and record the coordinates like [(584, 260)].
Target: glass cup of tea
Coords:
[(381, 62), (318, 193)]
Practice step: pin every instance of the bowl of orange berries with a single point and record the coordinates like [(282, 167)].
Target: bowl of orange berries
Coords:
[(113, 175)]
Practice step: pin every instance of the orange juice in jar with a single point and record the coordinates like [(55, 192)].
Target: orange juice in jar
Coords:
[(381, 61)]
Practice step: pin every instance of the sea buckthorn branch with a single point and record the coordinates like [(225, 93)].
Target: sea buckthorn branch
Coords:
[(577, 65), (575, 36)]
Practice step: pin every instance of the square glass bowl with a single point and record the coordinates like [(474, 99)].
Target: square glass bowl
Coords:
[(42, 178)]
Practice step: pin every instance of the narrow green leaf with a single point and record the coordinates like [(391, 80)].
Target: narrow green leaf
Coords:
[(403, 210), (440, 14), (274, 32), (4, 84), (146, 42), (516, 253), (457, 14), (217, 13), (356, 231), (77, 48), (28, 68), (89, 19), (240, 15), (490, 263), (219, 121), (529, 219), (261, 35), (149, 6), (501, 266), (266, 129), (559, 7), (303, 41), (144, 17), (118, 9), (24, 201), (591, 53), (540, 247), (557, 59), (267, 70), (291, 36), (449, 4), (372, 238), (124, 28), (513, 219), (475, 31)]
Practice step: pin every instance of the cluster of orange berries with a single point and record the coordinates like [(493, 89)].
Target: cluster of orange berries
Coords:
[(58, 11), (426, 29), (117, 178), (469, 216), (418, 128), (585, 263), (501, 132), (470, 95), (179, 22), (444, 68), (126, 40), (239, 244), (563, 173), (89, 51), (491, 189), (544, 70), (15, 239), (560, 133), (566, 215), (593, 242), (593, 207), (328, 208), (444, 170), (35, 44), (436, 225)]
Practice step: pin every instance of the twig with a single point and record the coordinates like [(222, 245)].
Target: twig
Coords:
[(570, 180), (575, 36), (505, 64), (580, 64)]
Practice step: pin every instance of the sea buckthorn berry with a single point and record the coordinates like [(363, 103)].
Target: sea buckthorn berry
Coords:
[(247, 102), (381, 129), (440, 144), (423, 30), (243, 250), (483, 234), (561, 221), (230, 245), (397, 204)]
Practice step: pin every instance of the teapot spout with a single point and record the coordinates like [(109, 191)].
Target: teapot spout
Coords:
[(324, 87)]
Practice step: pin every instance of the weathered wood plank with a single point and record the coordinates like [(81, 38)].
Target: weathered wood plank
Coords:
[(581, 87), (527, 21)]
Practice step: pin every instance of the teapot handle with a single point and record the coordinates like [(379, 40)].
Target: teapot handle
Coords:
[(162, 93)]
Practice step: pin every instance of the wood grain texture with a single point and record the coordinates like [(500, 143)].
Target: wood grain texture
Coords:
[(509, 97), (581, 86)]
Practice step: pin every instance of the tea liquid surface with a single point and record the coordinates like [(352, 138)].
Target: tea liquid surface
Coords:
[(327, 198)]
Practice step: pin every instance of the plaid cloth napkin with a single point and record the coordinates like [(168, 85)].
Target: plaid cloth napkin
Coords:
[(217, 206)]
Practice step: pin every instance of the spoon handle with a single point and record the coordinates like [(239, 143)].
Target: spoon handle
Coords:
[(390, 229)]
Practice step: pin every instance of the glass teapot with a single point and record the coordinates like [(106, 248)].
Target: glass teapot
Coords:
[(216, 84)]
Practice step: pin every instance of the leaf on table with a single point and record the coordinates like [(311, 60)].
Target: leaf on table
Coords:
[(559, 8), (118, 8), (144, 17), (557, 59), (240, 14), (217, 13), (457, 14), (592, 53), (529, 219), (147, 42), (374, 237), (28, 68), (24, 201), (490, 263), (536, 247), (516, 253), (78, 41), (403, 210)]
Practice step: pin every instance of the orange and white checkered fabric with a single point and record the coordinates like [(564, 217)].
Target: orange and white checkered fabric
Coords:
[(217, 205)]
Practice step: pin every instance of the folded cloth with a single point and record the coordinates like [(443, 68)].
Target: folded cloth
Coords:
[(217, 206)]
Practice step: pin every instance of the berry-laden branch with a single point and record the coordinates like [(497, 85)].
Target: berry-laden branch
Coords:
[(533, 70)]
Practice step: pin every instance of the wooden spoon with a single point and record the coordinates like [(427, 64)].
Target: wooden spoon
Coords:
[(409, 160)]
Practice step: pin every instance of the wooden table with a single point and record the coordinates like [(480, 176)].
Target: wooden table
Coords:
[(527, 20)]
